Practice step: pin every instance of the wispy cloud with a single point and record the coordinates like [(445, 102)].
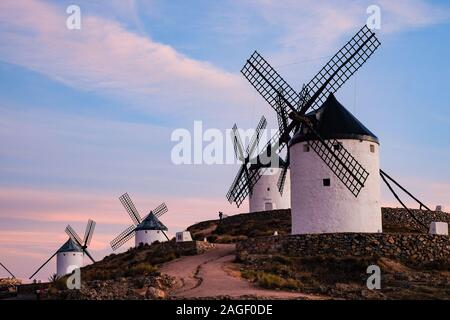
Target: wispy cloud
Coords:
[(311, 28), (107, 58)]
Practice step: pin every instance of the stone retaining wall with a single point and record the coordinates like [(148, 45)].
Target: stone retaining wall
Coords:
[(399, 217), (184, 248), (413, 249)]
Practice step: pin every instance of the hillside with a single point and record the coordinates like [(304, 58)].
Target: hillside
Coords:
[(265, 223), (133, 274), (136, 273)]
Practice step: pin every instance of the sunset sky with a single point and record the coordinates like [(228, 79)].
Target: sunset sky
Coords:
[(86, 115)]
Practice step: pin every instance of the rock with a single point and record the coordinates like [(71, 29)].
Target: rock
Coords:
[(154, 293)]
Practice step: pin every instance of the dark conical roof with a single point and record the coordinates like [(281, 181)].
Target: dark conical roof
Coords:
[(333, 121), (151, 222), (70, 246)]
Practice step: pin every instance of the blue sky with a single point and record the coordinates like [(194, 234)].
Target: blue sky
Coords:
[(87, 114)]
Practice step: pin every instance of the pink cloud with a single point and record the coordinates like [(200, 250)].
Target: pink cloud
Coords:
[(104, 57)]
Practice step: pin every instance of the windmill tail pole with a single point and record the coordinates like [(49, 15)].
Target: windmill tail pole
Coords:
[(165, 235), (404, 190), (89, 255), (42, 266), (1, 264), (399, 200)]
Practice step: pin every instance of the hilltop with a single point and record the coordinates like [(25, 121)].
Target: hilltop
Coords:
[(261, 224)]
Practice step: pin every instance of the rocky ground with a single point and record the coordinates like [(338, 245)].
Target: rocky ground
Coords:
[(151, 286), (345, 278)]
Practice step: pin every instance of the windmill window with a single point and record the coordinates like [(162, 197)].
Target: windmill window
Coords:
[(145, 231), (268, 189), (337, 146), (326, 182), (305, 148), (372, 148), (74, 254)]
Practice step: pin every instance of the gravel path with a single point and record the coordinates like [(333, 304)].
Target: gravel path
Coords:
[(211, 275)]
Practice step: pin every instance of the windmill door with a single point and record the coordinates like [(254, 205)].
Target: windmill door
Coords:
[(268, 206)]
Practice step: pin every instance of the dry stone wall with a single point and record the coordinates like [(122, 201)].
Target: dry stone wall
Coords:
[(412, 249)]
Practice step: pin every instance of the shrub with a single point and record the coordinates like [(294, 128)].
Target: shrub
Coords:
[(272, 281), (142, 268)]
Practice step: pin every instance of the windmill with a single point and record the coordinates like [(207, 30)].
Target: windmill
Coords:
[(147, 230), (71, 253), (3, 266), (326, 184), (258, 175)]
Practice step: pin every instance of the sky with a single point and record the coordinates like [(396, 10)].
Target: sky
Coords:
[(88, 114)]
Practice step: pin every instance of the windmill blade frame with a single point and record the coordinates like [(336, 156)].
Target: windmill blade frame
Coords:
[(123, 237), (256, 136), (73, 235), (279, 94), (160, 210), (282, 177), (237, 143), (130, 208), (340, 68), (262, 75), (90, 227)]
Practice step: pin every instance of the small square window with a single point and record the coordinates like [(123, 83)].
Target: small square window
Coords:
[(326, 182), (372, 148), (305, 148)]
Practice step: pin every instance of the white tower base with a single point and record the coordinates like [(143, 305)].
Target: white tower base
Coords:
[(321, 208), (265, 195), (67, 261), (149, 236)]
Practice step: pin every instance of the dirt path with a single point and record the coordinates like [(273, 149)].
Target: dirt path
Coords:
[(211, 275)]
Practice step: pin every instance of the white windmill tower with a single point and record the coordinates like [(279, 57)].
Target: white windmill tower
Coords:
[(326, 183), (71, 254), (258, 176), (325, 205), (145, 231)]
